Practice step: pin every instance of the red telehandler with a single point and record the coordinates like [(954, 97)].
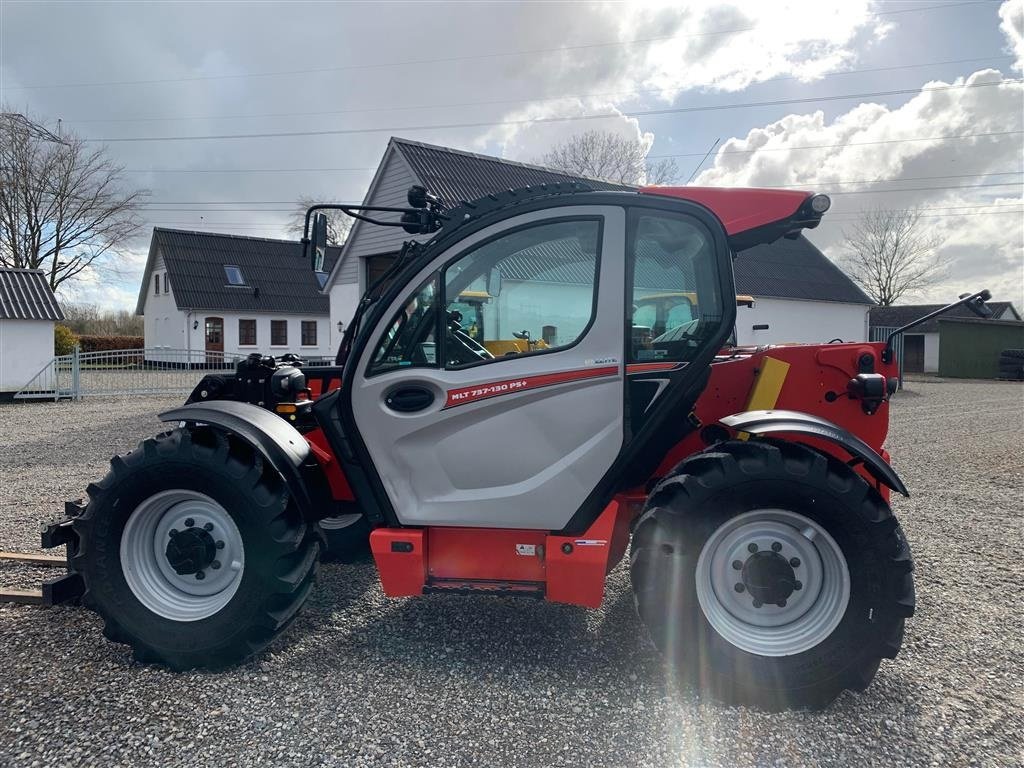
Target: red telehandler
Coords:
[(749, 485)]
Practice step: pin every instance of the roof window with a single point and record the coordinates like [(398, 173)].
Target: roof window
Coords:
[(233, 275)]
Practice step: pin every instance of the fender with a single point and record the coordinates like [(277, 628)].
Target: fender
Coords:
[(768, 422), (278, 442)]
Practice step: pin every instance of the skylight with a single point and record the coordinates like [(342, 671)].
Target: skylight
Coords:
[(233, 274)]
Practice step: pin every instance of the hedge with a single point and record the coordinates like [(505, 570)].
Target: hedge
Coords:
[(102, 343), (64, 340)]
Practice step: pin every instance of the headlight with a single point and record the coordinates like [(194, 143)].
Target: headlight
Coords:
[(820, 203)]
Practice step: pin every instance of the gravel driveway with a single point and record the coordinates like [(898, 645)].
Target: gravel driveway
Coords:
[(456, 681)]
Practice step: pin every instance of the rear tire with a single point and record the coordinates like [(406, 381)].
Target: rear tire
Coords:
[(795, 528), (224, 514), (347, 537)]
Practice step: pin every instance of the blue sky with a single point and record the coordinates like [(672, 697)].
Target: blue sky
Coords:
[(213, 62)]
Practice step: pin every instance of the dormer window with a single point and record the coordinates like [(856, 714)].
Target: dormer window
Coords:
[(233, 275)]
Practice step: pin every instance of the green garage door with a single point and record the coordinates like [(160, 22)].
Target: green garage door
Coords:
[(969, 349)]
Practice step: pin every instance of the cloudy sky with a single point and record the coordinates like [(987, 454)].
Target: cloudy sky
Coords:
[(880, 103)]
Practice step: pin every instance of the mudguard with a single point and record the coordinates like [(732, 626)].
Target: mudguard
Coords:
[(280, 444), (768, 422)]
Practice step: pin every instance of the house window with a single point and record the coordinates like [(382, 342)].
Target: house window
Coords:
[(233, 275), (309, 333), (279, 333), (167, 283), (156, 285), (246, 333)]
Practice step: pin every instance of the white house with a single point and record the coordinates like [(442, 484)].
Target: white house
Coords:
[(921, 344), (800, 296), (204, 295), (28, 311)]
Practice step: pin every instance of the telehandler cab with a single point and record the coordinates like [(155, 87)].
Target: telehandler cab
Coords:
[(749, 484)]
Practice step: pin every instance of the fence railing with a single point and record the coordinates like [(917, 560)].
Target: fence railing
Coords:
[(880, 334), (155, 370)]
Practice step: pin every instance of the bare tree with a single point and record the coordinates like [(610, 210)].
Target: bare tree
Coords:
[(64, 207), (890, 253), (92, 320), (611, 157), (338, 224)]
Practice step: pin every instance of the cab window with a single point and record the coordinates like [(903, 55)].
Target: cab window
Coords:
[(529, 291), (675, 295), (409, 340)]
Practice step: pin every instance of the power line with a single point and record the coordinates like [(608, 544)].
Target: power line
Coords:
[(892, 181), (561, 118), (845, 144), (494, 102), (765, 186), (447, 59), (924, 189)]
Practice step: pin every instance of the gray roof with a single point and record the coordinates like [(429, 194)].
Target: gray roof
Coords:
[(277, 277), (25, 295), (454, 175), (900, 315), (794, 269)]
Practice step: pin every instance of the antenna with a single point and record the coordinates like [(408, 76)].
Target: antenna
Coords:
[(703, 160)]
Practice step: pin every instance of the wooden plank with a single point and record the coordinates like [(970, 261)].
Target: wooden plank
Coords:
[(22, 596), (45, 561)]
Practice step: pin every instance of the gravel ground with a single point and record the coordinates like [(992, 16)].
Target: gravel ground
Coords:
[(450, 681)]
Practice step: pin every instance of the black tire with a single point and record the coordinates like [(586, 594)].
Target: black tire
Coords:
[(346, 542), (281, 550), (705, 491)]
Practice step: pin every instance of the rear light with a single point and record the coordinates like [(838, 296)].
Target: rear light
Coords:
[(820, 203)]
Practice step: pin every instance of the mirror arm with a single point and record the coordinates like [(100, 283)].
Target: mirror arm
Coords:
[(981, 296)]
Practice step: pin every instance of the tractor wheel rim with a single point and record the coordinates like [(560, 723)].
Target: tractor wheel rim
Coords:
[(151, 562), (773, 582), (339, 522)]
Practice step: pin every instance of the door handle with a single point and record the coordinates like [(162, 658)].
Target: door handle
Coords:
[(409, 399)]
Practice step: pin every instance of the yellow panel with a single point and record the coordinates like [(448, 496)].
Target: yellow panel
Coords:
[(767, 384)]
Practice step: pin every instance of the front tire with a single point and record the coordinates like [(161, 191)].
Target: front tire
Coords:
[(771, 575), (193, 552)]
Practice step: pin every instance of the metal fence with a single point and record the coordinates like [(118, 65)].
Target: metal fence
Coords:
[(154, 371), (880, 334)]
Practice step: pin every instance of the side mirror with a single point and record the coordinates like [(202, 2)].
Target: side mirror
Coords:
[(977, 305), (319, 242)]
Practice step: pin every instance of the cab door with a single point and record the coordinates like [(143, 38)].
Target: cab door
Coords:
[(461, 437)]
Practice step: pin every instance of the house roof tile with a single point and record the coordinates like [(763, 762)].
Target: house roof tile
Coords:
[(277, 279), (25, 295)]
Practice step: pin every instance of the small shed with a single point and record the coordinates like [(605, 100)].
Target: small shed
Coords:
[(969, 348), (28, 310), (922, 350)]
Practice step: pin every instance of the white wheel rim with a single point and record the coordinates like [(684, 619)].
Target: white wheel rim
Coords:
[(339, 522), (150, 574), (810, 611)]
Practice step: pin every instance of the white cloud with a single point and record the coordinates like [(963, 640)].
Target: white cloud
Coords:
[(1011, 23), (710, 46), (871, 142)]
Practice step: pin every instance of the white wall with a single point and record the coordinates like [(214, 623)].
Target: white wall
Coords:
[(801, 321), (344, 298), (171, 334), (931, 352), (25, 347)]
